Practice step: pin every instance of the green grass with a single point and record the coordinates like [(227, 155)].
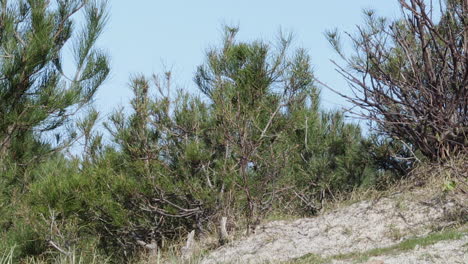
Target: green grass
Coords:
[(404, 246)]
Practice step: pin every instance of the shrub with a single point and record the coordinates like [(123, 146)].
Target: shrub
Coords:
[(409, 76)]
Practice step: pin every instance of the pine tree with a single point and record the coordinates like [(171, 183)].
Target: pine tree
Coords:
[(252, 89), (36, 95)]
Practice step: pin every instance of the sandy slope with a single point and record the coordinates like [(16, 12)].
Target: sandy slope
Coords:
[(356, 228)]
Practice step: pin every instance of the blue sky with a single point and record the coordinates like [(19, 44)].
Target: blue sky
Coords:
[(143, 36)]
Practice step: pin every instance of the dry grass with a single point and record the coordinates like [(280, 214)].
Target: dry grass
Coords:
[(424, 182)]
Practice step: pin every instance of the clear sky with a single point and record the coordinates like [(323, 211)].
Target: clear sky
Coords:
[(142, 36)]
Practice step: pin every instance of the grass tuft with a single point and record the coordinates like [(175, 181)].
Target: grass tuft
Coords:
[(7, 257)]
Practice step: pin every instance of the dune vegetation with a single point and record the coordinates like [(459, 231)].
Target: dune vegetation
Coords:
[(253, 144)]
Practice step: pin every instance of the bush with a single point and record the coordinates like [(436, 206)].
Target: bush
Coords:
[(409, 76)]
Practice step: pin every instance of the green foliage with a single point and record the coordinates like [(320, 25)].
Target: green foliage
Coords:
[(37, 103), (274, 137), (256, 141), (36, 96)]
